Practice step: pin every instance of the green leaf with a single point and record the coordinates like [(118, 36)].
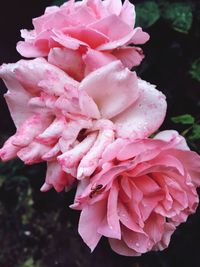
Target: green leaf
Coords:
[(195, 135), (195, 70), (183, 119), (179, 16), (147, 14)]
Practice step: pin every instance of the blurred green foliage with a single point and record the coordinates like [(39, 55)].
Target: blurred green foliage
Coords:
[(192, 133), (147, 13), (184, 119), (195, 70), (179, 16)]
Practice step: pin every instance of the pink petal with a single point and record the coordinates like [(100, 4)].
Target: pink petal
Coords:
[(56, 177), (112, 211), (52, 153), (128, 219), (33, 153), (90, 161), (121, 88), (89, 36), (168, 231), (30, 129), (128, 13), (68, 60), (95, 59), (29, 50), (127, 39), (145, 116), (16, 97), (90, 219), (154, 227), (129, 56), (9, 151), (120, 247), (112, 27), (139, 37), (88, 106), (37, 73), (136, 241), (113, 149), (114, 6), (72, 157), (53, 132), (177, 141)]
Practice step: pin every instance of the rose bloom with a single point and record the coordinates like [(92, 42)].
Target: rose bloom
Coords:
[(142, 192), (69, 124), (80, 37)]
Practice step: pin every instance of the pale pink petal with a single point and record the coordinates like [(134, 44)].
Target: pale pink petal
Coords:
[(113, 149), (136, 241), (90, 161), (33, 153), (16, 97), (98, 8), (127, 13), (28, 130), (53, 132), (9, 151), (38, 73), (121, 88), (112, 27), (88, 36), (129, 56), (172, 136), (56, 177), (120, 247), (154, 227), (95, 59), (52, 153), (67, 41), (88, 106), (145, 116), (29, 50), (168, 231), (113, 6), (90, 219), (68, 60), (72, 157), (139, 37), (128, 219), (127, 39), (112, 211)]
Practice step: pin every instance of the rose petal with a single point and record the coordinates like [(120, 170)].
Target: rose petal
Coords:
[(121, 88), (145, 116), (68, 60)]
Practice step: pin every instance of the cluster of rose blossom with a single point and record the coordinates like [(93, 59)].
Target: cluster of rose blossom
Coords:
[(80, 108)]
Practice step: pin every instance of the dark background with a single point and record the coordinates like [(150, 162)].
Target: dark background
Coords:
[(38, 229)]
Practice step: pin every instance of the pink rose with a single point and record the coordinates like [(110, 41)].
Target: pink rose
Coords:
[(69, 124), (80, 37), (143, 191)]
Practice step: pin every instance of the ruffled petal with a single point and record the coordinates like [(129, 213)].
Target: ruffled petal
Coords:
[(127, 13), (90, 219), (94, 59), (121, 88), (16, 97), (129, 56), (68, 60), (145, 116), (56, 177)]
